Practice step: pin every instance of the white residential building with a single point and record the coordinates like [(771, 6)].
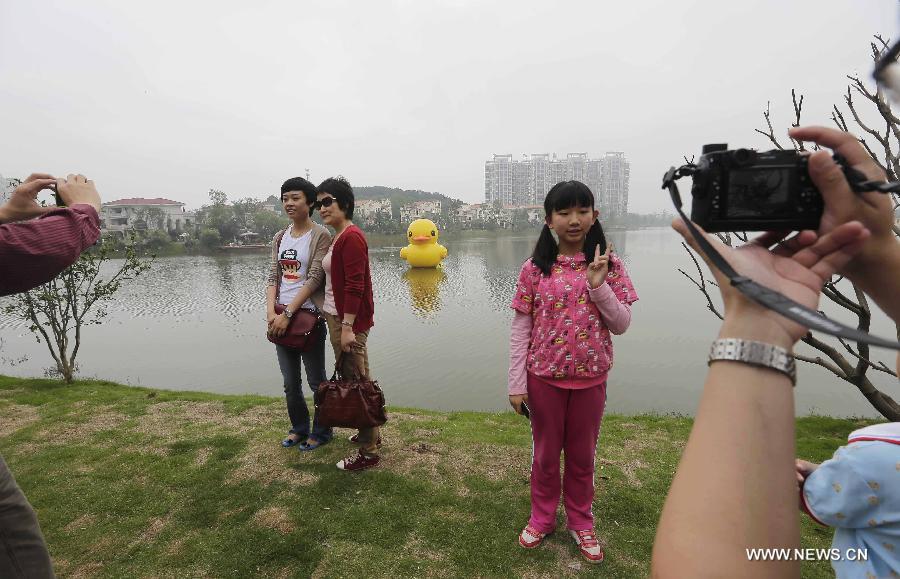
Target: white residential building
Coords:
[(368, 210), (420, 210), (139, 213), (482, 212)]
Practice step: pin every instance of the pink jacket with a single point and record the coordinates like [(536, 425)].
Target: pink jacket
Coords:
[(561, 331)]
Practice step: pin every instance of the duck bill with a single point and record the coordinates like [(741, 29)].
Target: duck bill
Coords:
[(421, 238)]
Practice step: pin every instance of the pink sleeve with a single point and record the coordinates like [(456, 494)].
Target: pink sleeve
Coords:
[(616, 315), (619, 281), (523, 300), (519, 337)]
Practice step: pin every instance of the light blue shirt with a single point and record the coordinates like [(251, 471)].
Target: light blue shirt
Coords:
[(857, 491)]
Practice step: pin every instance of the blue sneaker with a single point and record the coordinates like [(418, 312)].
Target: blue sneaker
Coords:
[(289, 442), (311, 444)]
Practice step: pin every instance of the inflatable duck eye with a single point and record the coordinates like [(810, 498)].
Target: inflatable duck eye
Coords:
[(432, 233), (410, 234)]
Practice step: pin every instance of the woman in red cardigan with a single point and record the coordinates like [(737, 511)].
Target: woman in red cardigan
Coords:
[(349, 306)]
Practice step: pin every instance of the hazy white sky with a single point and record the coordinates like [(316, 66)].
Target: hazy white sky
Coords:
[(172, 98)]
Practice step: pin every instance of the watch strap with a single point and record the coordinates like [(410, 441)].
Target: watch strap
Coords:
[(756, 354)]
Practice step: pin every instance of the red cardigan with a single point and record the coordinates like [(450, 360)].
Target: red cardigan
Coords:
[(351, 280)]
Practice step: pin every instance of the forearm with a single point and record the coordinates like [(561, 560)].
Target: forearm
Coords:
[(34, 252), (270, 299), (735, 487), (615, 314), (519, 337), (300, 298)]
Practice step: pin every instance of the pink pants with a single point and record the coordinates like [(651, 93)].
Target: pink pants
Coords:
[(563, 420)]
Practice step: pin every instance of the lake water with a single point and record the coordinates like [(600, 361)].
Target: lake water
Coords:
[(440, 339)]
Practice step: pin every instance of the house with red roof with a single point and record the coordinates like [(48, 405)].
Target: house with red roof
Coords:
[(145, 214)]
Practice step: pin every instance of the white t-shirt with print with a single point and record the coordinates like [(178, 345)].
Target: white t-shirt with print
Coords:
[(294, 255)]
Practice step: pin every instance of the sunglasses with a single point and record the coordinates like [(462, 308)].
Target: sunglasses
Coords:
[(324, 202)]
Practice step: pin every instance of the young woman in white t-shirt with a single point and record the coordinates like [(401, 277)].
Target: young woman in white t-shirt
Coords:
[(296, 279)]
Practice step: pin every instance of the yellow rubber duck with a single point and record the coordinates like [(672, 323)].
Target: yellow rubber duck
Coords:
[(423, 249)]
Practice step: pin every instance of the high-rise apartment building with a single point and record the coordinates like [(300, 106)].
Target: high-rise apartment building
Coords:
[(616, 173), (558, 172), (540, 181), (526, 182), (498, 180)]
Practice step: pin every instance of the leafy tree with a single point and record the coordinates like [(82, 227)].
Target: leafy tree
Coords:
[(157, 240), (57, 311), (244, 211), (276, 201), (149, 218), (219, 215), (210, 239), (267, 224)]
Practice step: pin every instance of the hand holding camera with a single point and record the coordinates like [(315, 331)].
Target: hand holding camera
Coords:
[(77, 189), (842, 204), (23, 204)]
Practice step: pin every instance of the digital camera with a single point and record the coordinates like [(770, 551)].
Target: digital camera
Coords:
[(749, 190)]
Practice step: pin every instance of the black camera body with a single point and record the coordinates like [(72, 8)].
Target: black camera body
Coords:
[(749, 190)]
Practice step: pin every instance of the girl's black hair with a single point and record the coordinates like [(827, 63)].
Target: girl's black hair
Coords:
[(566, 195)]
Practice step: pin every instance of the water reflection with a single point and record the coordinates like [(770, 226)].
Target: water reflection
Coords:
[(425, 289), (198, 323)]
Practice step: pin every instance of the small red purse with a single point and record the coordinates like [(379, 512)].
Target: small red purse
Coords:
[(302, 331)]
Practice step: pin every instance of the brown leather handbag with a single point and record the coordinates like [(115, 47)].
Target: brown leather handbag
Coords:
[(302, 331), (349, 403)]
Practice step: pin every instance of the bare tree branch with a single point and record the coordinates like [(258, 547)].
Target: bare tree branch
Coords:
[(701, 285), (817, 360), (880, 366), (771, 133)]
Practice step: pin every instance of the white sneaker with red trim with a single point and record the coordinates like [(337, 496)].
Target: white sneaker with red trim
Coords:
[(588, 545), (531, 537)]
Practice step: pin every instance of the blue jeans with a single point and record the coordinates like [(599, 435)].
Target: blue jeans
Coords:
[(289, 361)]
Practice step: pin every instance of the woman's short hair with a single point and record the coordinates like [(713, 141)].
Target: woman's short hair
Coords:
[(340, 189), (300, 184)]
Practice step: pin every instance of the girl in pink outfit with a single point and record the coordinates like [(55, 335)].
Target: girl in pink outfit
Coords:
[(560, 354)]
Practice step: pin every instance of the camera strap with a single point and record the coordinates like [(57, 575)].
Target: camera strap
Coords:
[(762, 295)]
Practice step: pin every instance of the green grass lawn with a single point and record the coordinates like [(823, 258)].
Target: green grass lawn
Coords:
[(134, 482)]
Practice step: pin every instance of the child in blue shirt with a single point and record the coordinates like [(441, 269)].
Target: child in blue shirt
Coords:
[(857, 492)]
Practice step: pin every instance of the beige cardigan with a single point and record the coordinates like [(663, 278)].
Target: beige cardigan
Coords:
[(315, 274)]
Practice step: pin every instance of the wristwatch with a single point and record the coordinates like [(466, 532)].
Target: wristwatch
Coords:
[(287, 312), (755, 354)]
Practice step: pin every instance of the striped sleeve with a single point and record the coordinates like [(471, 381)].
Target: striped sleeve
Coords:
[(34, 252)]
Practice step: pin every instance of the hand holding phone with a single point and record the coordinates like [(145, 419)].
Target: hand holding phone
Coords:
[(519, 403)]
